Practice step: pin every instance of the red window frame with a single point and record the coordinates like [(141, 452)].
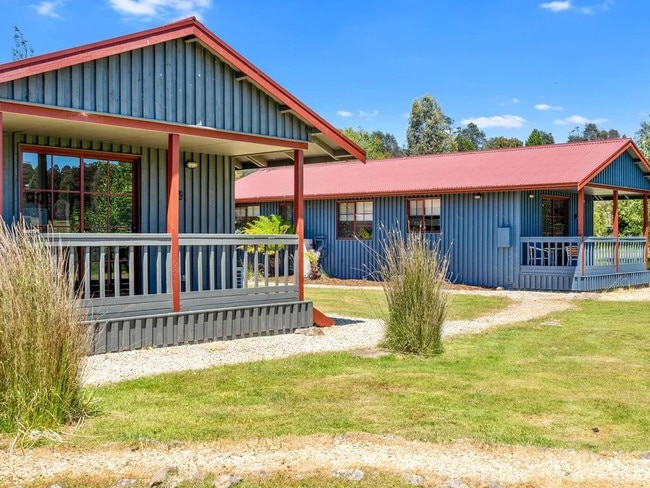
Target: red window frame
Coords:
[(556, 218), (359, 228), (81, 192), (432, 228)]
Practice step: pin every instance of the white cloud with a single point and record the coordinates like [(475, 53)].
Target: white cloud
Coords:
[(579, 119), (161, 8), (507, 121), (560, 6), (48, 9), (363, 113), (514, 100), (546, 106), (344, 113), (556, 6)]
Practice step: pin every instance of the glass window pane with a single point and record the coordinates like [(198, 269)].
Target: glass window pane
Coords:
[(35, 171), (120, 213), (120, 177), (36, 209), (96, 213), (96, 176), (66, 174), (66, 212)]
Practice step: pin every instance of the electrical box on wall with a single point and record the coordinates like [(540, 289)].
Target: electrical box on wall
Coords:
[(504, 237)]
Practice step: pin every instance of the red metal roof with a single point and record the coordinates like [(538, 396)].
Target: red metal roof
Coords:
[(570, 165), (182, 29)]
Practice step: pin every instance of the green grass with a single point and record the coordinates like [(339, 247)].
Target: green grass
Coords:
[(527, 384), (370, 302)]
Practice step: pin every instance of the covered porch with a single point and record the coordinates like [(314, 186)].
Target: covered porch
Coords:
[(585, 262)]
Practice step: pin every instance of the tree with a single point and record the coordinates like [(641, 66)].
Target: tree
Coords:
[(642, 138), (378, 145), (430, 131), (470, 138), (539, 137), (502, 142), (22, 49), (591, 132)]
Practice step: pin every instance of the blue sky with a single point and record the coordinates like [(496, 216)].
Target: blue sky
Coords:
[(507, 65)]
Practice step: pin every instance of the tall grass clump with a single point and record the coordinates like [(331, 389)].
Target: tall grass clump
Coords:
[(42, 344), (413, 272)]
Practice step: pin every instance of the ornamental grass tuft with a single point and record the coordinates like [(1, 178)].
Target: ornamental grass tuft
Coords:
[(413, 272), (42, 341)]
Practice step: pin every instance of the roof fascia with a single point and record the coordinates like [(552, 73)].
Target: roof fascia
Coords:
[(629, 145), (143, 124)]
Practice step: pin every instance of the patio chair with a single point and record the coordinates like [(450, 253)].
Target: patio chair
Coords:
[(535, 256), (571, 255)]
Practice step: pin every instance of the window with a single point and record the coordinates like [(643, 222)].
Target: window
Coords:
[(286, 211), (77, 192), (244, 214), (555, 216), (424, 214), (355, 220)]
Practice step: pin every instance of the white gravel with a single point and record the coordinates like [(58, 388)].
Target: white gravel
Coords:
[(349, 334)]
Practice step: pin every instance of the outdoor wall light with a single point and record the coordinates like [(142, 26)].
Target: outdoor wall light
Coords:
[(531, 195), (477, 196), (191, 165)]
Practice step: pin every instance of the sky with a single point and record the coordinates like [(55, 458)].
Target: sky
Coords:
[(509, 66)]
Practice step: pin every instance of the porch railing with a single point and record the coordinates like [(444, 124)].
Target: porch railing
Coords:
[(591, 255), (131, 269)]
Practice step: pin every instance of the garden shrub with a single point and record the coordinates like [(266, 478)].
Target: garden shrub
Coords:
[(413, 273), (42, 341)]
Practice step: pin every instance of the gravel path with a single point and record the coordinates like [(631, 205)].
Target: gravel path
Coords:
[(437, 464)]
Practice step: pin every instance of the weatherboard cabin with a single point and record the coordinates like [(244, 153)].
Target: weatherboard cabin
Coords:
[(122, 154), (515, 218)]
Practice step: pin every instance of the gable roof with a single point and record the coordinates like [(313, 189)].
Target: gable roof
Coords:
[(190, 29), (555, 166)]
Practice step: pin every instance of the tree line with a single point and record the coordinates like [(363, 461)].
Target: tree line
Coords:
[(430, 131)]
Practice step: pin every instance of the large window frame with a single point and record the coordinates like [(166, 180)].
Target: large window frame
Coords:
[(40, 204), (355, 220), (555, 216), (424, 215)]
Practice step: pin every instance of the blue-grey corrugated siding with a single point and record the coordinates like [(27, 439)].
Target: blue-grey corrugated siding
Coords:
[(531, 212), (470, 233), (9, 185), (207, 205), (173, 82), (622, 172)]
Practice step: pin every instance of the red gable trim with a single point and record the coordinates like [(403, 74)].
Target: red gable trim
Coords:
[(183, 28), (610, 160), (133, 123)]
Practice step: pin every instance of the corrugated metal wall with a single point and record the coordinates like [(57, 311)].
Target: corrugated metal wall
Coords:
[(531, 212), (174, 82), (207, 202), (622, 172)]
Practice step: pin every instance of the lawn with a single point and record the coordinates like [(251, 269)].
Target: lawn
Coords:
[(584, 384), (370, 303)]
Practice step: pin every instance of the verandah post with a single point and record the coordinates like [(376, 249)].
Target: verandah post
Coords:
[(615, 230), (645, 227), (1, 168), (299, 222), (581, 227), (173, 168)]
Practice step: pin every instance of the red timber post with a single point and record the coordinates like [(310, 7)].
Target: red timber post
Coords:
[(1, 168), (645, 226), (615, 228), (173, 168), (581, 227), (298, 216)]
